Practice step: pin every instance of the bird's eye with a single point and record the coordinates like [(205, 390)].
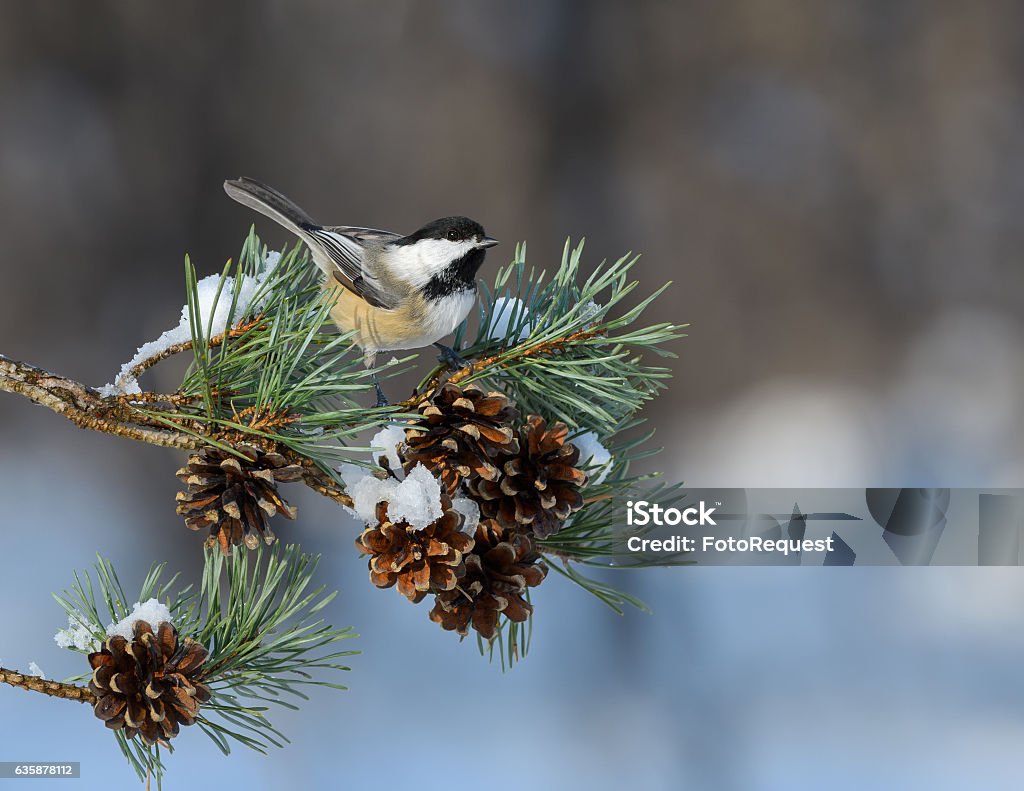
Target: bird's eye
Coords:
[(453, 235)]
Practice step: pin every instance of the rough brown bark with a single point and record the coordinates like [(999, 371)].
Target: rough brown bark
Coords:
[(55, 689)]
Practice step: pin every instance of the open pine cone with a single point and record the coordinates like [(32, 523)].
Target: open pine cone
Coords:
[(149, 685), (418, 561), (539, 486), (498, 572), (234, 498), (460, 432)]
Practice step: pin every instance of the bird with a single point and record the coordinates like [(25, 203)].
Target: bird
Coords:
[(393, 292)]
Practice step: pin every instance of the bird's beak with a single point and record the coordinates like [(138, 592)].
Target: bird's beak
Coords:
[(487, 241)]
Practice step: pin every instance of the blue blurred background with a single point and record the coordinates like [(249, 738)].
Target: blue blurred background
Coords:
[(836, 190)]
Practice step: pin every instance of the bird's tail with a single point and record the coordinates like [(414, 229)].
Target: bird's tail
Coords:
[(268, 201)]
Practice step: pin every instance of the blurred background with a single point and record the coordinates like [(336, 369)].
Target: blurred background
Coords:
[(835, 189)]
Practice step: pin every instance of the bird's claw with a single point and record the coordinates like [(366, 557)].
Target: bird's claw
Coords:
[(382, 400), (451, 358)]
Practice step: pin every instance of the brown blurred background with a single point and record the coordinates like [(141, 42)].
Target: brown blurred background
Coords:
[(834, 187)]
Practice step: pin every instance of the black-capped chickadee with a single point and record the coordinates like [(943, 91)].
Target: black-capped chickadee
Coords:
[(396, 292)]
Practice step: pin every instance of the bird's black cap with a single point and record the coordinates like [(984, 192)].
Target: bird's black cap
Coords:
[(454, 229)]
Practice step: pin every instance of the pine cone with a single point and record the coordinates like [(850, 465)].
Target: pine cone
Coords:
[(539, 486), (498, 572), (459, 434), (418, 561), (234, 497), (149, 685)]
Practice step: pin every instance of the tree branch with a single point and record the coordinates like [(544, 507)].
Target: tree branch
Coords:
[(502, 359), (55, 689), (496, 361), (85, 407), (235, 332), (318, 480)]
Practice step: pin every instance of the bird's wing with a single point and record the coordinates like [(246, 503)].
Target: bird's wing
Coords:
[(345, 246), (364, 234)]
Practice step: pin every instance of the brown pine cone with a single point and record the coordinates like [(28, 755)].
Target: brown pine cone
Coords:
[(498, 572), (539, 486), (149, 685), (459, 433), (235, 497), (418, 561)]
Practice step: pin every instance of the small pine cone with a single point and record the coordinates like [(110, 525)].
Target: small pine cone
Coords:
[(539, 486), (235, 497), (460, 432), (149, 685), (498, 572), (418, 561)]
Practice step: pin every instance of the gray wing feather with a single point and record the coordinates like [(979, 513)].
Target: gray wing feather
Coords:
[(348, 253), (364, 234)]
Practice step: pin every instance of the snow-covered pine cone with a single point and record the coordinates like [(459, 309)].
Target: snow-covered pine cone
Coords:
[(235, 497), (417, 561), (460, 432), (497, 573), (539, 486), (149, 685)]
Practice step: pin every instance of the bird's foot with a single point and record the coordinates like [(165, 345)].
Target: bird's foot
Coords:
[(382, 400), (451, 358)]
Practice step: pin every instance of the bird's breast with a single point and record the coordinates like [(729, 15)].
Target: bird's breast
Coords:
[(413, 323), (446, 313)]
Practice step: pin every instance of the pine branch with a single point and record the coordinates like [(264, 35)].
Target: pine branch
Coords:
[(258, 621), (496, 363), (558, 350), (84, 406), (55, 689), (319, 480), (122, 417), (177, 348), (517, 354)]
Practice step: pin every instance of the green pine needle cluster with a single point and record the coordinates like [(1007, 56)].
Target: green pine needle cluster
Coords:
[(257, 615), (592, 374)]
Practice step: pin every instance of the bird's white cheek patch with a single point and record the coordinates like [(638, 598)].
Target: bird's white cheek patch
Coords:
[(417, 263)]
